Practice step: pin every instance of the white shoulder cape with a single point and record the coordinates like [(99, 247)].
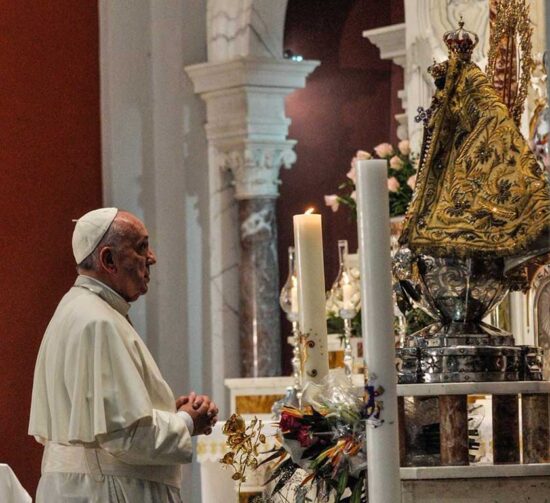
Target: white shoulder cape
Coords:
[(93, 375)]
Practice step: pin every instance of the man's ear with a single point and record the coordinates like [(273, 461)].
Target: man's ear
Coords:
[(106, 259)]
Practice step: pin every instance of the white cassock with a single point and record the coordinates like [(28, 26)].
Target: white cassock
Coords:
[(101, 408)]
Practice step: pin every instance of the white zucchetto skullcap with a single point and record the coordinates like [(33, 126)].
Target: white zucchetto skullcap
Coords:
[(89, 230)]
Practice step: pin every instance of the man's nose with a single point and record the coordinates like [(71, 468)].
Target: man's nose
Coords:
[(151, 257)]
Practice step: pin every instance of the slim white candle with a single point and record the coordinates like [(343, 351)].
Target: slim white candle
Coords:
[(308, 241), (294, 298), (347, 292), (377, 314)]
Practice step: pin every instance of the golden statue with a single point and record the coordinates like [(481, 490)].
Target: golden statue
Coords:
[(480, 191)]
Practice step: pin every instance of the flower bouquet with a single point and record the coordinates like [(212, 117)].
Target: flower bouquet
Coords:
[(322, 447), (401, 178)]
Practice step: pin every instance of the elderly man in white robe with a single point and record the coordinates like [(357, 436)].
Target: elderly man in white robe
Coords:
[(111, 427)]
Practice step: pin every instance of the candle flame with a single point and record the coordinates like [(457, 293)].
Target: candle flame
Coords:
[(309, 211)]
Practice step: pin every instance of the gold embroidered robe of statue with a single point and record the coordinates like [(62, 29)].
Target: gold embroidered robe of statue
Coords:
[(480, 191)]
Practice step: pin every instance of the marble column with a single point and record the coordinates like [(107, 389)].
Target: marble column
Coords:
[(505, 429), (259, 288), (453, 429), (535, 434)]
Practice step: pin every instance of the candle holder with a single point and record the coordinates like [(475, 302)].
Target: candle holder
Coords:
[(347, 315), (345, 296), (288, 301)]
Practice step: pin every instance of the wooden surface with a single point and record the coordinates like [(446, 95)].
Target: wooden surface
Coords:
[(453, 428), (505, 429)]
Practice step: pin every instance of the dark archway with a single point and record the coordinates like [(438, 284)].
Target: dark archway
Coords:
[(348, 104)]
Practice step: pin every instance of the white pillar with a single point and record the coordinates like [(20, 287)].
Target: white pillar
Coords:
[(518, 318), (377, 315)]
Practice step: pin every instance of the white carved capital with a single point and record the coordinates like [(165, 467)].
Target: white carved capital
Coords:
[(255, 167), (246, 122)]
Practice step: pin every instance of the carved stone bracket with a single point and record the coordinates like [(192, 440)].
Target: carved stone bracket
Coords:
[(391, 42)]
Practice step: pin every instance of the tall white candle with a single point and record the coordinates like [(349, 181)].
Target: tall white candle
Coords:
[(308, 241), (377, 314)]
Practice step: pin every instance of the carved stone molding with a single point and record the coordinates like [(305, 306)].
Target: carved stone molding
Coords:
[(246, 121), (391, 42), (256, 168)]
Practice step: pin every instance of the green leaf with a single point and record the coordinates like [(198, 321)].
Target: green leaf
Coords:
[(280, 470), (285, 477), (271, 458), (342, 484), (357, 491)]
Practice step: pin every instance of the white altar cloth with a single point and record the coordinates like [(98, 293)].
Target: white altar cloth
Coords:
[(11, 490)]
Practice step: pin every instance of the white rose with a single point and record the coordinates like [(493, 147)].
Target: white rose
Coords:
[(361, 155), (384, 150), (393, 184), (333, 202), (396, 162), (404, 147)]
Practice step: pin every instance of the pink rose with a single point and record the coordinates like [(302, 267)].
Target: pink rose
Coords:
[(384, 150), (332, 202), (411, 182), (393, 184), (396, 162), (404, 147)]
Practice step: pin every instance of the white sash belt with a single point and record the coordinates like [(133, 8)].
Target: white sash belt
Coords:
[(98, 463)]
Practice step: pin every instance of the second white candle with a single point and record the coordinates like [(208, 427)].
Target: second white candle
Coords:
[(308, 241)]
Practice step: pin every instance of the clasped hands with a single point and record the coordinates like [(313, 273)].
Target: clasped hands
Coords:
[(202, 410)]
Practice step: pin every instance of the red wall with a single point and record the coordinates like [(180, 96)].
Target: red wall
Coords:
[(348, 104), (50, 172)]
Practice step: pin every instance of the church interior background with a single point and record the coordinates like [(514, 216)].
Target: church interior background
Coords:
[(215, 121)]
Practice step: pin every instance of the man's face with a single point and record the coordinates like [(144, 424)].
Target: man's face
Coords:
[(132, 259)]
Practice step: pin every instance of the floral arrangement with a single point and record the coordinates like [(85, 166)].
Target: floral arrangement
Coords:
[(322, 447), (401, 178)]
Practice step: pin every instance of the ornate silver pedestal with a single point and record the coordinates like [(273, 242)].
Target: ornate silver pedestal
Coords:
[(459, 346)]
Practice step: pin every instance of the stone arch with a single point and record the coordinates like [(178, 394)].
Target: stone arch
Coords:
[(245, 28)]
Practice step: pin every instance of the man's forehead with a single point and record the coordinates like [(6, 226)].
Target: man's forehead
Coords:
[(134, 227)]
